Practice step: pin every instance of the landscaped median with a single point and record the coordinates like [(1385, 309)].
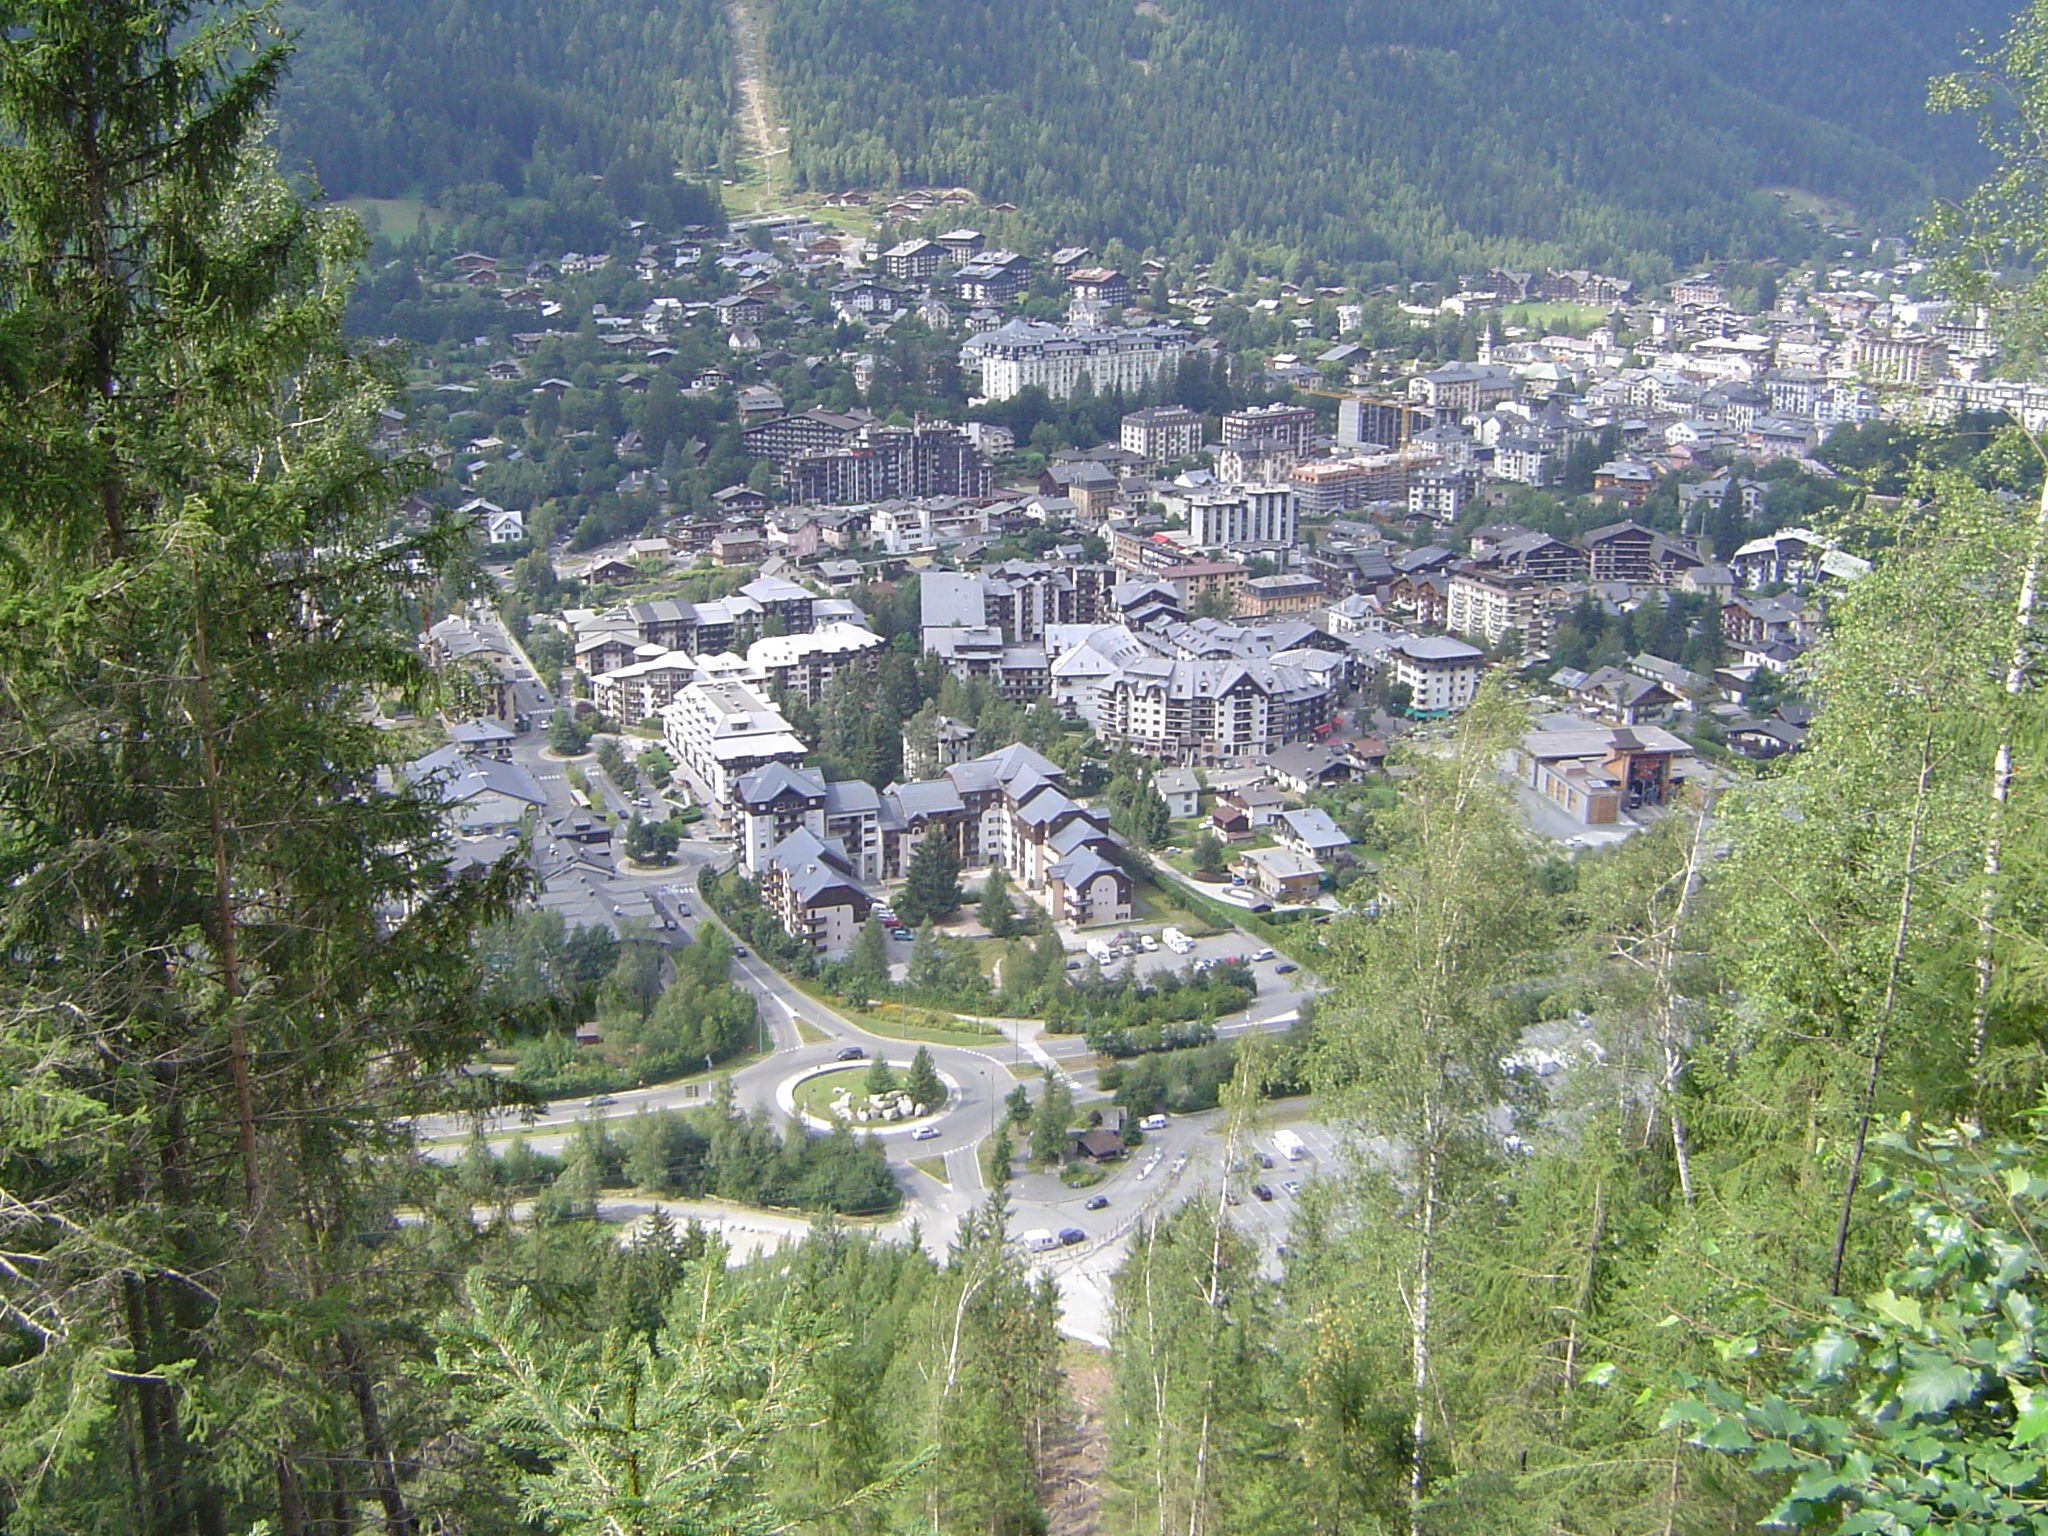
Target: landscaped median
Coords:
[(817, 1095)]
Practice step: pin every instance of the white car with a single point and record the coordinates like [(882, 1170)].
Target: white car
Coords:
[(1263, 954), (924, 1133)]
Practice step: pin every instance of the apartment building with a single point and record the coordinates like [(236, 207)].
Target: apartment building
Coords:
[(1294, 426), (880, 463), (784, 439), (1210, 711), (815, 893), (914, 527), (720, 731), (1056, 358), (1440, 674), (1245, 515), (1487, 603), (1162, 434), (1267, 596), (1458, 390), (1019, 598)]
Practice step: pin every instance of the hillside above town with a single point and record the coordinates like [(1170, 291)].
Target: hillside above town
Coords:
[(1413, 139), (1427, 137)]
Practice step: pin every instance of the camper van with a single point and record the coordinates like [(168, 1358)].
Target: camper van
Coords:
[(1290, 1146), (1177, 941)]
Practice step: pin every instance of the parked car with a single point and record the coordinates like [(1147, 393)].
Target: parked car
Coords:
[(901, 935), (924, 1133), (1152, 1123), (1262, 1192), (1285, 968), (1291, 1186), (852, 1053), (1262, 954), (1072, 1235), (1265, 1159), (1095, 1203)]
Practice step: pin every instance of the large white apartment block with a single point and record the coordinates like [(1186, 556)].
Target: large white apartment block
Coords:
[(1487, 605), (721, 731), (1210, 711), (804, 664), (1440, 674), (1056, 358), (800, 664), (1251, 514), (1160, 434)]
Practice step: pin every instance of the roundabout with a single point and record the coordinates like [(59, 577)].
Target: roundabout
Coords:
[(841, 1094)]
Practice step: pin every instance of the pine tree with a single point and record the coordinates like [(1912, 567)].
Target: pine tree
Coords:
[(632, 1436), (922, 1082), (996, 915), (866, 968), (1050, 1118), (931, 887), (231, 959)]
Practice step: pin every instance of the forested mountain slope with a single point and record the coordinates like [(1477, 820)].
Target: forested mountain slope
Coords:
[(1430, 134), (465, 102)]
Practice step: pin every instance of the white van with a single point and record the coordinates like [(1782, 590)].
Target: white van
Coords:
[(1152, 1123), (1038, 1240), (1101, 951)]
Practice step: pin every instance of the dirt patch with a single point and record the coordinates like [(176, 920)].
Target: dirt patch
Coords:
[(1073, 1484), (762, 136)]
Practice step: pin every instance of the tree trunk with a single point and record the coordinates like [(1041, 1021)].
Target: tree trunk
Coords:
[(2001, 781), (1418, 1336), (398, 1519), (1884, 1018)]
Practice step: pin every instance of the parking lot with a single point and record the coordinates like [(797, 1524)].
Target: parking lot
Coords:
[(1218, 947)]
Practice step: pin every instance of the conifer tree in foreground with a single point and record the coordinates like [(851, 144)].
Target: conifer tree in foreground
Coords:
[(226, 964)]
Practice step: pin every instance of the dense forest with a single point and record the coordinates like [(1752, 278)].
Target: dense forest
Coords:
[(1388, 137), (1772, 1252), (584, 110), (1425, 138)]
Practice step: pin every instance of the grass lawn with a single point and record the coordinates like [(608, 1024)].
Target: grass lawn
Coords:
[(1081, 1175), (624, 1083), (1152, 902), (809, 1033), (933, 1168), (398, 217), (1551, 317), (895, 1021)]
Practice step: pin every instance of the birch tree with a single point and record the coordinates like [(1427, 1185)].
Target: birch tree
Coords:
[(1416, 1031), (1852, 879), (2001, 227)]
